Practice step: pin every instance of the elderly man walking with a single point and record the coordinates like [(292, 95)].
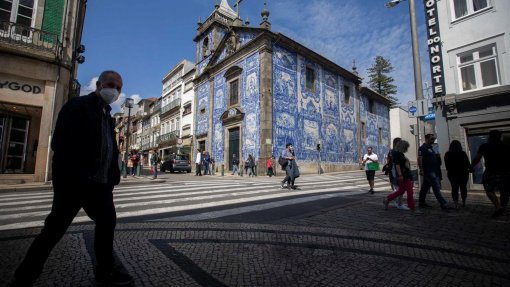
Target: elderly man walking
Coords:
[(83, 124)]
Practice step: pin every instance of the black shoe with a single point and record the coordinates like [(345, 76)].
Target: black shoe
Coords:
[(498, 213), (293, 187), (115, 278), (371, 191), (424, 205), (282, 185)]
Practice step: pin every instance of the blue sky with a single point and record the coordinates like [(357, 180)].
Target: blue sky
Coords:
[(143, 40)]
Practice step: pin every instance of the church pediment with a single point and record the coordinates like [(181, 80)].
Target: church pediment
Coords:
[(232, 115), (233, 40)]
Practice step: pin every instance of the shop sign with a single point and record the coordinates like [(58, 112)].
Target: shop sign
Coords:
[(17, 86), (434, 47)]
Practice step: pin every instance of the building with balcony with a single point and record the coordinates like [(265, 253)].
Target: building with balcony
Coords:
[(257, 90), (172, 103), (40, 46), (470, 64), (144, 132)]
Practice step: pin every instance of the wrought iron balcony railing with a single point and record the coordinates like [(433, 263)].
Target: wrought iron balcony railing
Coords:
[(18, 34), (169, 136), (172, 105)]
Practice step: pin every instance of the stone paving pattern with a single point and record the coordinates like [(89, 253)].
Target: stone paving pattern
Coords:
[(355, 244)]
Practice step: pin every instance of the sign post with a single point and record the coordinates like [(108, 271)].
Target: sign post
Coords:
[(418, 108)]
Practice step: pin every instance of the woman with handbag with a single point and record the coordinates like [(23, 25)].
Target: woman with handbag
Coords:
[(291, 168)]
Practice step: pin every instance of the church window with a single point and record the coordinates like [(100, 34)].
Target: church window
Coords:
[(363, 131), (347, 95), (310, 79), (233, 92), (371, 106), (205, 48)]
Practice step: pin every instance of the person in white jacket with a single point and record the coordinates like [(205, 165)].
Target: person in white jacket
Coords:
[(198, 163), (368, 158)]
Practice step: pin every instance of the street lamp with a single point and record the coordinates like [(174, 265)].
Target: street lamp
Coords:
[(418, 86), (128, 103)]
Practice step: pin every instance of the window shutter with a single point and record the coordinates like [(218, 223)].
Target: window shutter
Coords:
[(53, 16)]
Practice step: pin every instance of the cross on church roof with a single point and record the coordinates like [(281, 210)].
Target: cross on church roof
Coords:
[(237, 5)]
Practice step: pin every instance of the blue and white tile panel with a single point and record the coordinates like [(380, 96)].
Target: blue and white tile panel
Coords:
[(303, 117)]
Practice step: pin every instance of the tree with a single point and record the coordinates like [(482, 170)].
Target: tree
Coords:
[(380, 81)]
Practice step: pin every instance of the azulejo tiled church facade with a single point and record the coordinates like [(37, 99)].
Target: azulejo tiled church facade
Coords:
[(257, 90)]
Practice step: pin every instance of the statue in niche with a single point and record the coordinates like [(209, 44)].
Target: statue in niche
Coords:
[(232, 43)]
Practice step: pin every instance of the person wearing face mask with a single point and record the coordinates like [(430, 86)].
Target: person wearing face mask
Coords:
[(84, 124), (291, 169)]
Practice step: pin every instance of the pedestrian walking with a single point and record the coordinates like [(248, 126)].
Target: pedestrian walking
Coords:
[(84, 124), (370, 161), (154, 163), (457, 167), (206, 161), (497, 171), (290, 167), (246, 166), (269, 165), (212, 169), (135, 160), (198, 163), (430, 168), (389, 169), (251, 165), (235, 165), (129, 164), (403, 175)]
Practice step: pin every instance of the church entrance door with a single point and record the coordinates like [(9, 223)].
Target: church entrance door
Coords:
[(233, 146)]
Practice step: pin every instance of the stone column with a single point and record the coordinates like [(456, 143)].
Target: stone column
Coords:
[(208, 144), (266, 106)]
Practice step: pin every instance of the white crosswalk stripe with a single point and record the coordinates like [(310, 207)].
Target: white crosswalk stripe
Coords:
[(21, 210)]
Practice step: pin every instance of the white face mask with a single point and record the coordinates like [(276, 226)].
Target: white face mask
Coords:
[(109, 95)]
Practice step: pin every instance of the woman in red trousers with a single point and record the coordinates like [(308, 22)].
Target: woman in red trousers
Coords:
[(404, 175)]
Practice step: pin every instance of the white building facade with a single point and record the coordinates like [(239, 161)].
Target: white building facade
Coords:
[(176, 103), (468, 43)]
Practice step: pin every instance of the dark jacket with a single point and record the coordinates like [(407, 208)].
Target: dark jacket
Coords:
[(76, 142), (457, 163)]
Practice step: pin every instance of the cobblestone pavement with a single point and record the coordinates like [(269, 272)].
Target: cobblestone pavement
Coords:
[(353, 244)]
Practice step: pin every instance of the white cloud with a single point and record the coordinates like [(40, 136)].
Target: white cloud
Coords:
[(89, 88), (346, 31)]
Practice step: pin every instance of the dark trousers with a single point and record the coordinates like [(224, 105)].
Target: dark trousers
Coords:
[(431, 179), (459, 182), (198, 170), (289, 176), (497, 181), (68, 199)]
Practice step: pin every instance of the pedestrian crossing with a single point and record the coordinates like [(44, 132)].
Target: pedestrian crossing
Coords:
[(23, 210)]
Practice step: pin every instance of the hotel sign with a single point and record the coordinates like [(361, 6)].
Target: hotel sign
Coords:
[(434, 48)]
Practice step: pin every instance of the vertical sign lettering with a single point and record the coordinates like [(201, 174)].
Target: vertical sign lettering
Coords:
[(434, 48)]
